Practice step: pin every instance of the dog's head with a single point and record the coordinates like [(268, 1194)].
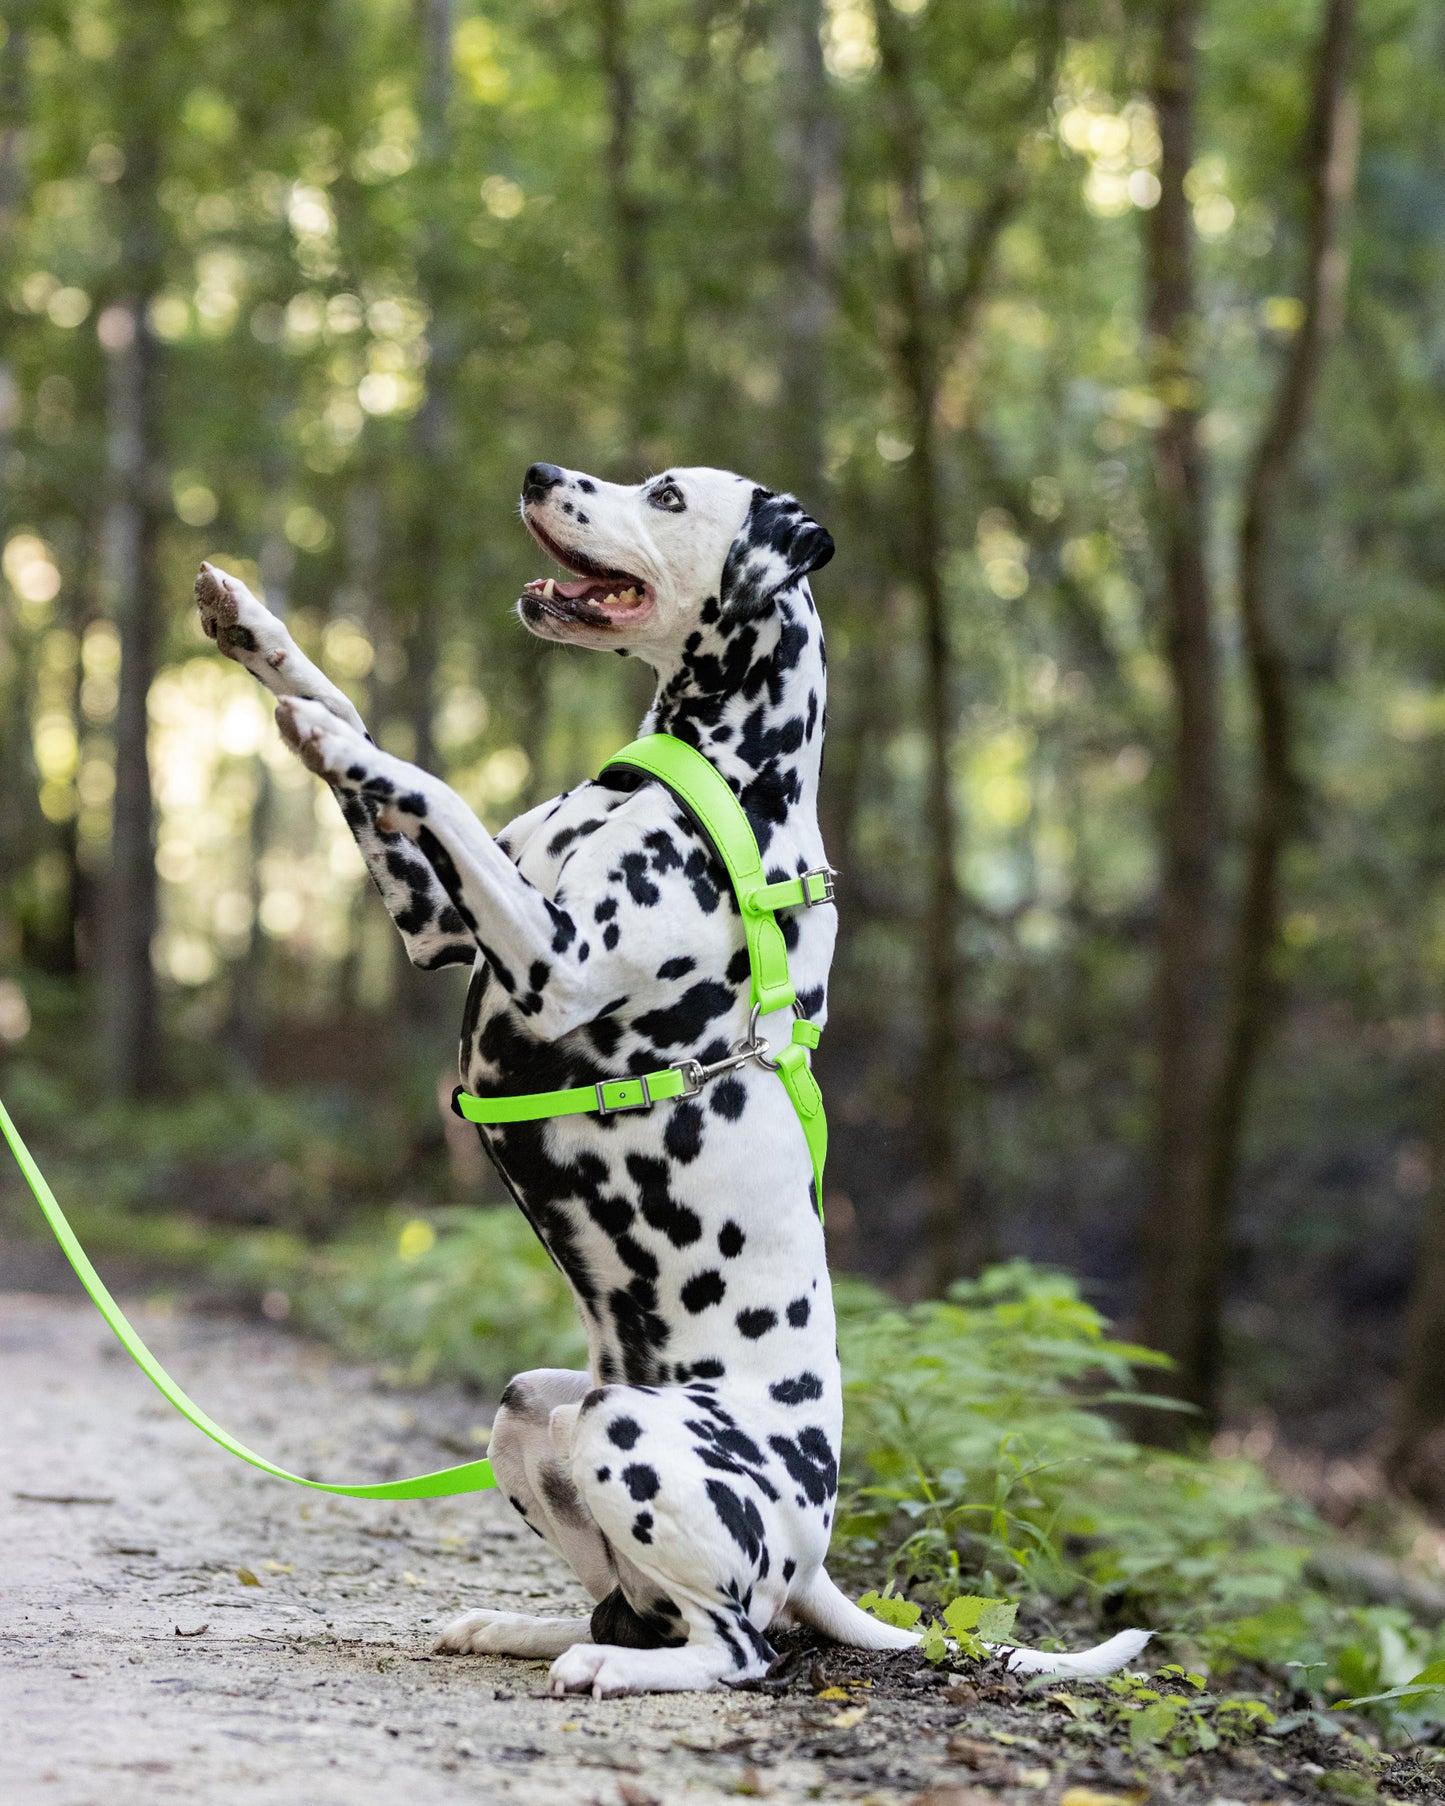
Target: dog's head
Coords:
[(653, 560)]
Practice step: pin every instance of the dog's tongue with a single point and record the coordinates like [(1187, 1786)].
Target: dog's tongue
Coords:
[(583, 586)]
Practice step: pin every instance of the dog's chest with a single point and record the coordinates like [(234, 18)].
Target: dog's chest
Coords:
[(686, 1229)]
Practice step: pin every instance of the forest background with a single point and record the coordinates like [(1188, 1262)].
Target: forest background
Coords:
[(1107, 339)]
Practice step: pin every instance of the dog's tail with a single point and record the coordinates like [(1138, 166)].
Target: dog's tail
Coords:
[(823, 1608)]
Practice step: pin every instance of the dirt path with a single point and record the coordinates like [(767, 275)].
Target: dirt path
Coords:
[(139, 1665)]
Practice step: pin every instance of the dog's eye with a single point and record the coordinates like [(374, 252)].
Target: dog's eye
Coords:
[(669, 496)]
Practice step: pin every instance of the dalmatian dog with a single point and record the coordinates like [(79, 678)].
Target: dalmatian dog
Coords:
[(689, 1476)]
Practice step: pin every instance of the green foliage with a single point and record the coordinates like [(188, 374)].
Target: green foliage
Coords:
[(975, 1448), (465, 1294), (1175, 1717)]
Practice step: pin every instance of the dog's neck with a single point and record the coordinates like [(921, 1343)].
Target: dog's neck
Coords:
[(752, 696)]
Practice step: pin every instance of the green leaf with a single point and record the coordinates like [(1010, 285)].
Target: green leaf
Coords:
[(964, 1613), (1153, 1724), (996, 1620), (903, 1614)]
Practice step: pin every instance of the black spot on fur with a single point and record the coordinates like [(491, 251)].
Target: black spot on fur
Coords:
[(703, 1290), (623, 1432), (800, 1390), (684, 1022), (642, 1527), (730, 1239), (676, 968), (728, 1098), (640, 1480), (810, 1463), (659, 1208), (683, 1135), (756, 1322), (739, 1516)]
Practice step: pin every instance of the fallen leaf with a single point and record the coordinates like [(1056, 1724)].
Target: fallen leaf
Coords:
[(833, 1693), (631, 1794), (199, 1631), (961, 1694), (247, 1578), (1034, 1777), (844, 1721), (973, 1751), (279, 1567), (750, 1782), (1091, 1796)]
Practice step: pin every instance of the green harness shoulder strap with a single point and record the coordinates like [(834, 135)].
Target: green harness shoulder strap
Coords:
[(471, 1476), (703, 791)]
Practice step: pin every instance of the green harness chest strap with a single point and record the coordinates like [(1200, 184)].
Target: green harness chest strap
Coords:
[(706, 796)]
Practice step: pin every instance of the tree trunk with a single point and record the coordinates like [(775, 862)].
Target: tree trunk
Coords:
[(1329, 157), (1179, 1257), (933, 320), (953, 1238), (130, 1056), (426, 537), (1416, 1458), (19, 807), (629, 225), (808, 154)]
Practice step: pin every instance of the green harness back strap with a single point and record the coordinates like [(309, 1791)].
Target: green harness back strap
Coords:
[(708, 799), (471, 1476)]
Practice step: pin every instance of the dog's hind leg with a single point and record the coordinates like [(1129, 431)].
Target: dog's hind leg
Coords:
[(533, 1419), (822, 1607)]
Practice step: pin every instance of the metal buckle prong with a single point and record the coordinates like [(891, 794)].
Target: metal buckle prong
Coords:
[(642, 1103)]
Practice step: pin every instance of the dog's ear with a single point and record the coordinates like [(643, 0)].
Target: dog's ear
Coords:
[(779, 543)]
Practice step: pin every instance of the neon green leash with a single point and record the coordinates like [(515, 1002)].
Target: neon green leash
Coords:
[(705, 794), (471, 1476)]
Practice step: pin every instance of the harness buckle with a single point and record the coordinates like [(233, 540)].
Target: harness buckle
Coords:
[(693, 1074), (829, 892), (643, 1102)]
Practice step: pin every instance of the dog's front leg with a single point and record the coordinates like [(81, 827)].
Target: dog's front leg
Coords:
[(531, 945), (246, 631)]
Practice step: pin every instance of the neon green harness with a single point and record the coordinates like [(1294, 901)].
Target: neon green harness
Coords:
[(701, 789), (706, 796)]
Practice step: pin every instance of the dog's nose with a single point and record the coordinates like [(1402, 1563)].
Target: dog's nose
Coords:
[(539, 479)]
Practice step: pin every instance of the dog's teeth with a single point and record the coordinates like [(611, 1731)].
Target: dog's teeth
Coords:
[(629, 596), (549, 588), (607, 599)]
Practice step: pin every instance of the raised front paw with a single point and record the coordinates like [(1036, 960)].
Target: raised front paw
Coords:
[(243, 628), (323, 744)]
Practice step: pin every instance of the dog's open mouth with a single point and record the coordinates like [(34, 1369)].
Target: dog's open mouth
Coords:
[(601, 596)]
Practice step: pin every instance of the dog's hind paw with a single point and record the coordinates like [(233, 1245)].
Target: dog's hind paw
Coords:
[(509, 1634)]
